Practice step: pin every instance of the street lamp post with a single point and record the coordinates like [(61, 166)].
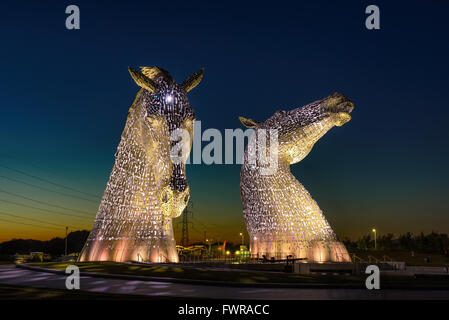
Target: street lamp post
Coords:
[(66, 228), (209, 242), (375, 239), (243, 242)]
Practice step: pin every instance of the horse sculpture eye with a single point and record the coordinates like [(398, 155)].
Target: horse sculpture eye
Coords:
[(186, 199), (154, 122)]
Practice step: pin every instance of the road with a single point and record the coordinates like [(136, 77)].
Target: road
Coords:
[(11, 275)]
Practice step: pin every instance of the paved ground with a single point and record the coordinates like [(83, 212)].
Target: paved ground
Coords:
[(10, 275)]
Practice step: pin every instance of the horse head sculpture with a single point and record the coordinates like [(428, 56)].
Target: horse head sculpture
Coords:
[(146, 188), (281, 216)]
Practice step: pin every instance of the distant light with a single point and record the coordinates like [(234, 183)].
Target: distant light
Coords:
[(237, 252), (374, 230), (228, 252), (240, 233), (255, 238), (169, 98)]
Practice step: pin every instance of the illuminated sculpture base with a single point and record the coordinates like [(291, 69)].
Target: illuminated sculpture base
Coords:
[(313, 251), (124, 249)]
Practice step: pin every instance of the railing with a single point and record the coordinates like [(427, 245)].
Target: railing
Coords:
[(373, 258), (356, 258), (233, 259)]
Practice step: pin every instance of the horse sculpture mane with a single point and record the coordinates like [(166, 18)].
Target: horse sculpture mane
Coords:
[(281, 217), (145, 189)]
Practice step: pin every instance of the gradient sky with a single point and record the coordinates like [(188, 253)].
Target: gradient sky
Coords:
[(65, 94)]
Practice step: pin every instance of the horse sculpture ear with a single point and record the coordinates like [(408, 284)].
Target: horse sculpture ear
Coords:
[(142, 80), (192, 81), (249, 123)]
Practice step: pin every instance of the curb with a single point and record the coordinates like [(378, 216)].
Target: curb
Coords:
[(189, 281), (230, 284)]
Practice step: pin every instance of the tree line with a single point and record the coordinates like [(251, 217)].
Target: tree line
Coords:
[(54, 247), (431, 243)]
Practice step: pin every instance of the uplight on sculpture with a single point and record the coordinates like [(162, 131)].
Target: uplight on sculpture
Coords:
[(146, 189), (280, 214)]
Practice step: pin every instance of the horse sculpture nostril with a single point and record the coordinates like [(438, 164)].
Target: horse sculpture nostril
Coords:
[(165, 197)]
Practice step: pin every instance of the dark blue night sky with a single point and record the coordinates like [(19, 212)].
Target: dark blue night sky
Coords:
[(65, 94)]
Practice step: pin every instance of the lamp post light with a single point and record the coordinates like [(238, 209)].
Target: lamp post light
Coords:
[(243, 242), (375, 239)]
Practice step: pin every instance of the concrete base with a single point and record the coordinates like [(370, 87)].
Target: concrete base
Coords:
[(301, 268), (397, 265), (306, 267), (313, 251)]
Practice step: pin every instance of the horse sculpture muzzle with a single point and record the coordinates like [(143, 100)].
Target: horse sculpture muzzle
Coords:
[(176, 195)]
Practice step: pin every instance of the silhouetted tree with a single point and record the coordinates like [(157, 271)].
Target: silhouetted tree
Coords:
[(55, 246), (431, 243)]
